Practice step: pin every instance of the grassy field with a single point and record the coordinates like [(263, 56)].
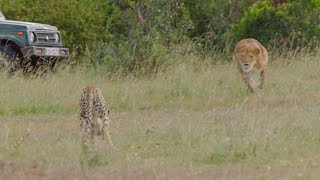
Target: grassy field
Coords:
[(194, 121)]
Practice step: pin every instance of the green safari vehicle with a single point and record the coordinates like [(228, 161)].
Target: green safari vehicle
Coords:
[(29, 44)]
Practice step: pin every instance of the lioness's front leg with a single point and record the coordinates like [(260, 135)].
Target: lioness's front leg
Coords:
[(247, 81), (262, 76)]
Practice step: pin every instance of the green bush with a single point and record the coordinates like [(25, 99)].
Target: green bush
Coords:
[(213, 19), (291, 24), (138, 36), (82, 23), (146, 42)]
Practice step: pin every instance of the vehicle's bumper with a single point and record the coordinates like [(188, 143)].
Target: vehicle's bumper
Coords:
[(36, 51)]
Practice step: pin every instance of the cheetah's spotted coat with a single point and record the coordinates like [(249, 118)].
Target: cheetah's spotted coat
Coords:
[(94, 116)]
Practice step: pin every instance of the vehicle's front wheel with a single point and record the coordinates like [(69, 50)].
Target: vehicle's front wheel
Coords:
[(8, 59)]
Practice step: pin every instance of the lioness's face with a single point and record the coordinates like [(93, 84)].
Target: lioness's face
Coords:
[(247, 59)]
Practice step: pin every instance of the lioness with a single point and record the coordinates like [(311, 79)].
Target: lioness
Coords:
[(251, 59)]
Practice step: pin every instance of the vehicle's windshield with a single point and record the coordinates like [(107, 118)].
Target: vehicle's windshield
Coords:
[(2, 16)]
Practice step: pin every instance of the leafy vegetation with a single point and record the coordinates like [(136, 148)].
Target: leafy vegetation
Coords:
[(295, 24), (130, 36)]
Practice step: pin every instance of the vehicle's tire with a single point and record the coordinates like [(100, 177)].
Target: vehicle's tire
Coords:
[(8, 59)]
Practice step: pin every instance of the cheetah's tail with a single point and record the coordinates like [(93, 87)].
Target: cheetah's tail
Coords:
[(111, 143)]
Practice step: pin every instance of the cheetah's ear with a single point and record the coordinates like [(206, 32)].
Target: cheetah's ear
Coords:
[(256, 51)]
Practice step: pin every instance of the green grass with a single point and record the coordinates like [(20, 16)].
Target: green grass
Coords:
[(193, 116)]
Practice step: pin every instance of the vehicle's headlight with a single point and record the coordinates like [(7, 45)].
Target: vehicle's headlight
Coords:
[(57, 38), (32, 37)]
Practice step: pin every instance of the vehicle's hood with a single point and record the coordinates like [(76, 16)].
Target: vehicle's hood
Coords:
[(28, 25)]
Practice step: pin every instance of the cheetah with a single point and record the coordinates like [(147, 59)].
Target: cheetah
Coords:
[(94, 116)]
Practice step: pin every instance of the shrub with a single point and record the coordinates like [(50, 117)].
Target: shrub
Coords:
[(82, 23), (295, 24)]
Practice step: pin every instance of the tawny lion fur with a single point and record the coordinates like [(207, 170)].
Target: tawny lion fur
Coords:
[(251, 59)]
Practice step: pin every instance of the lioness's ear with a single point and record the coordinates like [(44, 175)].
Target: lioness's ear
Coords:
[(256, 51), (239, 49)]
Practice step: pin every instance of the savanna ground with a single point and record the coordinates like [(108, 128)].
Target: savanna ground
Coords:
[(196, 121)]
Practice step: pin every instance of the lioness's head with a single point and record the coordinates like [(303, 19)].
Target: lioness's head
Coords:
[(247, 57)]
